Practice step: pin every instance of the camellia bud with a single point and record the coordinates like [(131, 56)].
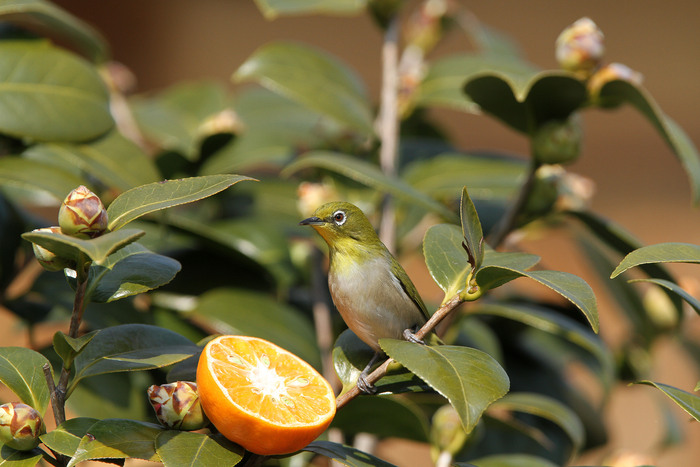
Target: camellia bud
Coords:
[(177, 405), (557, 142), (579, 48), (49, 260), (82, 214), (20, 426)]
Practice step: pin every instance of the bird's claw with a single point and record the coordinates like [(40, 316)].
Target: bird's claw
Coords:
[(411, 337), (365, 386)]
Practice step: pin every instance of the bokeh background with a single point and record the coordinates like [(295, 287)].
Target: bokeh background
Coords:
[(639, 183)]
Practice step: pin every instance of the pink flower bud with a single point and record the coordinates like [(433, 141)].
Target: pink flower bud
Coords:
[(82, 214), (612, 72), (49, 260), (20, 426), (177, 405), (580, 48)]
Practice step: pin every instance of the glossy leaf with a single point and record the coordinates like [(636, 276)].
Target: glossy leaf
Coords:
[(446, 259), (69, 347), (118, 439), (149, 198), (659, 253), (312, 77), (235, 311), (183, 448), (618, 91), (498, 267), (524, 99), (65, 438), (383, 417), (510, 460), (48, 94), (21, 371), (130, 347), (548, 408), (130, 271), (345, 455), (111, 395), (470, 379), (369, 175), (97, 249), (46, 17), (274, 8), (675, 288), (12, 458), (38, 176), (471, 228), (687, 401)]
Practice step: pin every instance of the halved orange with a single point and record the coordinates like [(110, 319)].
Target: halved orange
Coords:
[(262, 396)]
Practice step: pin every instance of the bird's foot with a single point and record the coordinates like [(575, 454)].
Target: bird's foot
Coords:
[(411, 337), (364, 386)]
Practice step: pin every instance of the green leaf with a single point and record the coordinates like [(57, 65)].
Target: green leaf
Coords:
[(112, 395), (524, 99), (510, 460), (130, 347), (47, 18), (185, 449), (314, 78), (145, 199), (548, 408), (659, 253), (675, 288), (38, 176), (65, 439), (97, 249), (130, 271), (48, 94), (471, 228), (687, 401), (12, 458), (115, 438), (499, 269), (114, 160), (69, 347), (470, 379), (21, 371), (619, 91), (346, 455), (384, 417), (234, 311), (369, 175), (446, 259), (274, 8)]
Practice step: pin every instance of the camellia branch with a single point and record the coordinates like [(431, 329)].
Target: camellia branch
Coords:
[(377, 374)]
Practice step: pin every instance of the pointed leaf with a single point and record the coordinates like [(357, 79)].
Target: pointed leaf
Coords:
[(367, 174), (446, 259), (97, 249), (345, 455), (687, 401), (12, 458), (21, 371), (65, 439), (675, 288), (189, 449), (274, 8), (470, 379), (619, 91), (471, 228), (130, 271), (499, 267), (312, 77), (145, 199), (48, 94), (659, 253), (510, 460), (37, 176), (114, 438), (68, 347)]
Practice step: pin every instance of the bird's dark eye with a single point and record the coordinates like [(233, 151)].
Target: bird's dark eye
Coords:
[(339, 217)]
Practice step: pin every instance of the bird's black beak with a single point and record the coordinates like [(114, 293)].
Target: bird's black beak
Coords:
[(312, 221)]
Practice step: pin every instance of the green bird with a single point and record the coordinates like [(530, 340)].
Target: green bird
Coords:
[(370, 289)]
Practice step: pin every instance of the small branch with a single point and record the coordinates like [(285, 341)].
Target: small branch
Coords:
[(52, 391), (377, 374)]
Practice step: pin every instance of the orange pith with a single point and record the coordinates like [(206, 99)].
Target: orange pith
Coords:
[(261, 396)]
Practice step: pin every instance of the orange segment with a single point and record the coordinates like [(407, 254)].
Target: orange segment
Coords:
[(261, 396)]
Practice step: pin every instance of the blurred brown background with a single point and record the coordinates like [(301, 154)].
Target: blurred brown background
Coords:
[(639, 182)]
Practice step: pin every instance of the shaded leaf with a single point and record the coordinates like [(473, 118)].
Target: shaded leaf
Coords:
[(145, 199), (118, 439), (65, 438), (345, 454), (184, 449), (21, 371), (69, 347), (471, 228), (675, 288), (367, 174), (498, 267), (659, 253), (274, 8), (111, 395), (38, 176), (687, 401), (12, 458), (48, 94), (470, 379), (446, 259), (97, 249), (383, 417), (312, 77), (510, 460)]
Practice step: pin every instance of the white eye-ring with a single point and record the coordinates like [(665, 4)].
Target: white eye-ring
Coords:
[(339, 217)]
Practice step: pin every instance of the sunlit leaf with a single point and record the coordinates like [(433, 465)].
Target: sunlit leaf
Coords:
[(96, 249), (189, 449), (659, 253), (12, 458), (274, 8), (38, 176), (21, 370), (118, 439), (345, 455), (687, 401), (65, 438), (446, 259)]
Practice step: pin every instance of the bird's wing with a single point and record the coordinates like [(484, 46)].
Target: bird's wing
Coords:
[(411, 291)]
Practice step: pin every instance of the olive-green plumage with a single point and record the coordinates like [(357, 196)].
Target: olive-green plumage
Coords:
[(370, 289)]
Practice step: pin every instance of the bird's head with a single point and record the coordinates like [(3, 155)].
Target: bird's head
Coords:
[(339, 222)]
